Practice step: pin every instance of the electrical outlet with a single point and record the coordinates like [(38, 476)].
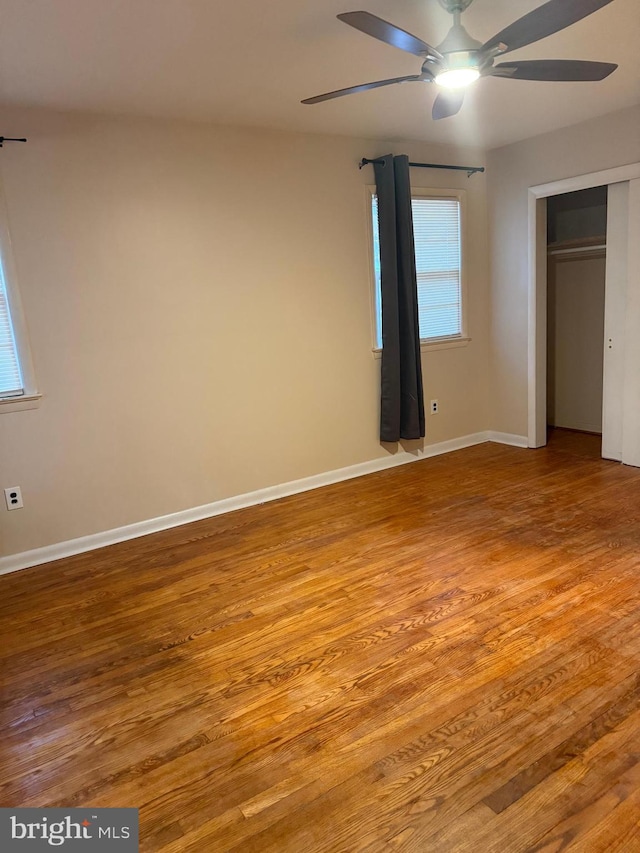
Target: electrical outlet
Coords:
[(13, 497), (434, 407)]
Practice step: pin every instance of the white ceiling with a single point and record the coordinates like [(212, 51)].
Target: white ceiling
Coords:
[(250, 63)]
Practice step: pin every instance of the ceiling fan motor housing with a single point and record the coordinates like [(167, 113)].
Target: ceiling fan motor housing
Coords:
[(458, 39), (460, 50)]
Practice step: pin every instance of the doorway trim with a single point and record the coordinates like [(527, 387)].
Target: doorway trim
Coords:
[(537, 286)]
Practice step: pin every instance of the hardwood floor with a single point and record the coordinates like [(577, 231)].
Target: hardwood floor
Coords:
[(439, 657)]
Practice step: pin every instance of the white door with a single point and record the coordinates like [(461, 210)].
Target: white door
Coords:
[(614, 319), (631, 385), (621, 389)]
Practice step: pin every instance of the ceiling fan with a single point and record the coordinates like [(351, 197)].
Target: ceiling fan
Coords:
[(460, 60)]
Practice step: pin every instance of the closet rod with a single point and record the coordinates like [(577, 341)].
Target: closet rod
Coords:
[(577, 250)]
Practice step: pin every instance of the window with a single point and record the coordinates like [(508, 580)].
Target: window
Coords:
[(11, 384), (17, 386), (437, 228)]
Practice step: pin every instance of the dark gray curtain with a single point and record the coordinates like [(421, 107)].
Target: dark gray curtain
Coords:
[(402, 401)]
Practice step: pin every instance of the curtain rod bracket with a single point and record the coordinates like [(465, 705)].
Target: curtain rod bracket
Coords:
[(4, 139), (470, 170)]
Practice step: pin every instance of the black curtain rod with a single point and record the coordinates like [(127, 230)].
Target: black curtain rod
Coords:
[(470, 170)]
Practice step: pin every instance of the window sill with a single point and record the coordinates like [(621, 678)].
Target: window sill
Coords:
[(435, 344), (19, 404)]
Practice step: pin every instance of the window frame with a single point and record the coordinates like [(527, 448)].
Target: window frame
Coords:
[(435, 343), (31, 397)]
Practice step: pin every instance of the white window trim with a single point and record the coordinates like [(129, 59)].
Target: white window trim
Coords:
[(31, 397), (426, 344)]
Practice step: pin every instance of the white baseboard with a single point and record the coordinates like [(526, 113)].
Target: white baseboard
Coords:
[(508, 438), (47, 554)]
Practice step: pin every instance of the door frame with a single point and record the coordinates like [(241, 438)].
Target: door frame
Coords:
[(537, 285)]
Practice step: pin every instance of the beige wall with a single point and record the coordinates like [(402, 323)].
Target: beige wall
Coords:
[(603, 143), (198, 302)]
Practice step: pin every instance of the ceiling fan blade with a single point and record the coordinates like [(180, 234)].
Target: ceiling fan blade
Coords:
[(363, 88), (557, 70), (544, 21), (447, 104), (388, 33)]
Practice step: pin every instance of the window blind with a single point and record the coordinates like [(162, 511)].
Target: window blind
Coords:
[(10, 377), (436, 231)]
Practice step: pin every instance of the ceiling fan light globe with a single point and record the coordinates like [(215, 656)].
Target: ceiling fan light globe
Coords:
[(457, 78)]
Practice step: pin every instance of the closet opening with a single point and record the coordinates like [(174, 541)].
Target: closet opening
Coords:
[(576, 273)]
